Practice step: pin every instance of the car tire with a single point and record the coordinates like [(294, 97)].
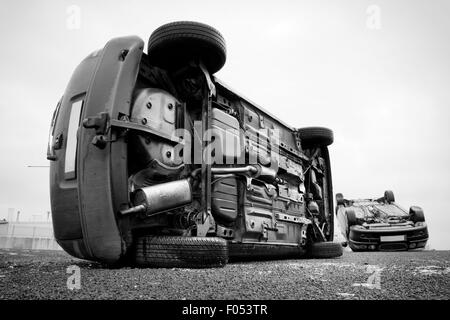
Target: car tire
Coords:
[(181, 252), (262, 251), (174, 44), (339, 199), (416, 214), (324, 250), (389, 196), (351, 217), (315, 137)]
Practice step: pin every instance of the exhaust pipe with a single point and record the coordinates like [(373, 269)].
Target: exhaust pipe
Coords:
[(161, 197), (254, 171)]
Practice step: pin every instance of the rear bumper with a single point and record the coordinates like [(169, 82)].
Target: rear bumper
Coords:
[(388, 239), (85, 200)]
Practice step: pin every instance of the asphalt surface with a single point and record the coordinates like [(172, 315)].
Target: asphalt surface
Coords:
[(26, 274)]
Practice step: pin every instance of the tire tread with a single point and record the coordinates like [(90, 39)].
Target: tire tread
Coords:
[(184, 32), (184, 252)]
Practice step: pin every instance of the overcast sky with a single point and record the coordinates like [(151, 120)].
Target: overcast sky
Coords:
[(376, 72)]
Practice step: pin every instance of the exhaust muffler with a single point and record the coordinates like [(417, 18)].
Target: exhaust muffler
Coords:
[(161, 197)]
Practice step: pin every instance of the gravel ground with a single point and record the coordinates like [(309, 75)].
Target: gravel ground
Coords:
[(26, 274)]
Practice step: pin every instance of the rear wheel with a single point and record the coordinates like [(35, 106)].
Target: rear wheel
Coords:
[(325, 250), (175, 44), (315, 137), (262, 251), (181, 252)]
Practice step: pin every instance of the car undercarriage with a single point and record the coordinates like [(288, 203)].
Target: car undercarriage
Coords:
[(155, 160)]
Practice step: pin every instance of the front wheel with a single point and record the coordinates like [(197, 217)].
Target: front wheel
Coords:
[(389, 196), (340, 199), (351, 217), (416, 214)]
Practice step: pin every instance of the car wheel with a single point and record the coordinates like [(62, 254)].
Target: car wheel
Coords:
[(315, 137), (181, 252), (339, 199), (326, 249), (351, 217), (389, 196), (174, 44), (261, 251), (416, 214)]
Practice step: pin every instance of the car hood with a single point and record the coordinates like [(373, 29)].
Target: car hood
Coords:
[(383, 214)]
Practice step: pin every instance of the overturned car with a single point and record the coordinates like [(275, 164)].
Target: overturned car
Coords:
[(154, 160), (381, 224)]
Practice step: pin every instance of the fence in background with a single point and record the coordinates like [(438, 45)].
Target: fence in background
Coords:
[(33, 235)]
